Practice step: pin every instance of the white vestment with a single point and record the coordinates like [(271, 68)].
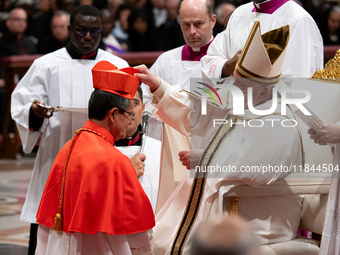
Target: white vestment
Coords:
[(170, 67), (52, 242), (330, 242), (58, 80), (274, 219), (304, 53), (150, 178)]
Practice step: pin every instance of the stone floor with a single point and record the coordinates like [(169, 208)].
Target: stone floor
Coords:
[(14, 179)]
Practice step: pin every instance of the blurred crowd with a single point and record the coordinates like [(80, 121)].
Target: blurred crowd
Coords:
[(129, 25)]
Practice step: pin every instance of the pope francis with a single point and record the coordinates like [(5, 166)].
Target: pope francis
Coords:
[(237, 144)]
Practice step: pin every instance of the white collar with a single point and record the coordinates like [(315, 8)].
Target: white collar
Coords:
[(258, 4)]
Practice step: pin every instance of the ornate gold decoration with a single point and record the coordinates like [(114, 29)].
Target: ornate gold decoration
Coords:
[(198, 186), (234, 206), (331, 71)]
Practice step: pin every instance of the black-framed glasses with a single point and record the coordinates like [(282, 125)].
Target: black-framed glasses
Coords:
[(82, 31), (131, 114)]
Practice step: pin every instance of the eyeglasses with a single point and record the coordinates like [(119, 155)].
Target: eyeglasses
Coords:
[(82, 31), (18, 19), (131, 114)]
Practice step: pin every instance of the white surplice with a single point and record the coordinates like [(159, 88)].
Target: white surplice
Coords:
[(58, 80), (150, 178), (274, 219), (304, 53), (51, 242)]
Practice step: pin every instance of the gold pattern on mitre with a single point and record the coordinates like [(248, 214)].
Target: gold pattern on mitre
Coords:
[(263, 55), (331, 71)]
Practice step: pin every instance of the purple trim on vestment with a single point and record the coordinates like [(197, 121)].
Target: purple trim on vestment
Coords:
[(189, 55), (270, 7)]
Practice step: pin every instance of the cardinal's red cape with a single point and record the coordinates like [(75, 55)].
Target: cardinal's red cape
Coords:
[(102, 192)]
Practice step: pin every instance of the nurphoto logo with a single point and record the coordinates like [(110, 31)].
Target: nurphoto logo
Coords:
[(289, 96)]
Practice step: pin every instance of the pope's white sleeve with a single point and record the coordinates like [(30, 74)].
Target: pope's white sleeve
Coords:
[(176, 108), (172, 107), (147, 98)]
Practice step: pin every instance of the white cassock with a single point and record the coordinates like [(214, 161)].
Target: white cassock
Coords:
[(275, 219), (170, 67), (50, 241), (330, 242), (58, 80), (304, 53), (152, 151)]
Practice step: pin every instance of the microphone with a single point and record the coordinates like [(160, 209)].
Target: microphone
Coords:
[(145, 123)]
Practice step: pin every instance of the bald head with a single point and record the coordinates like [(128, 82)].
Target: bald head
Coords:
[(209, 8), (17, 21), (197, 22), (227, 235)]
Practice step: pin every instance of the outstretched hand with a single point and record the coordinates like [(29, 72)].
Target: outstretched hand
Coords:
[(147, 77)]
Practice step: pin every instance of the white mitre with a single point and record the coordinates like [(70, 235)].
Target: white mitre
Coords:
[(263, 55)]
